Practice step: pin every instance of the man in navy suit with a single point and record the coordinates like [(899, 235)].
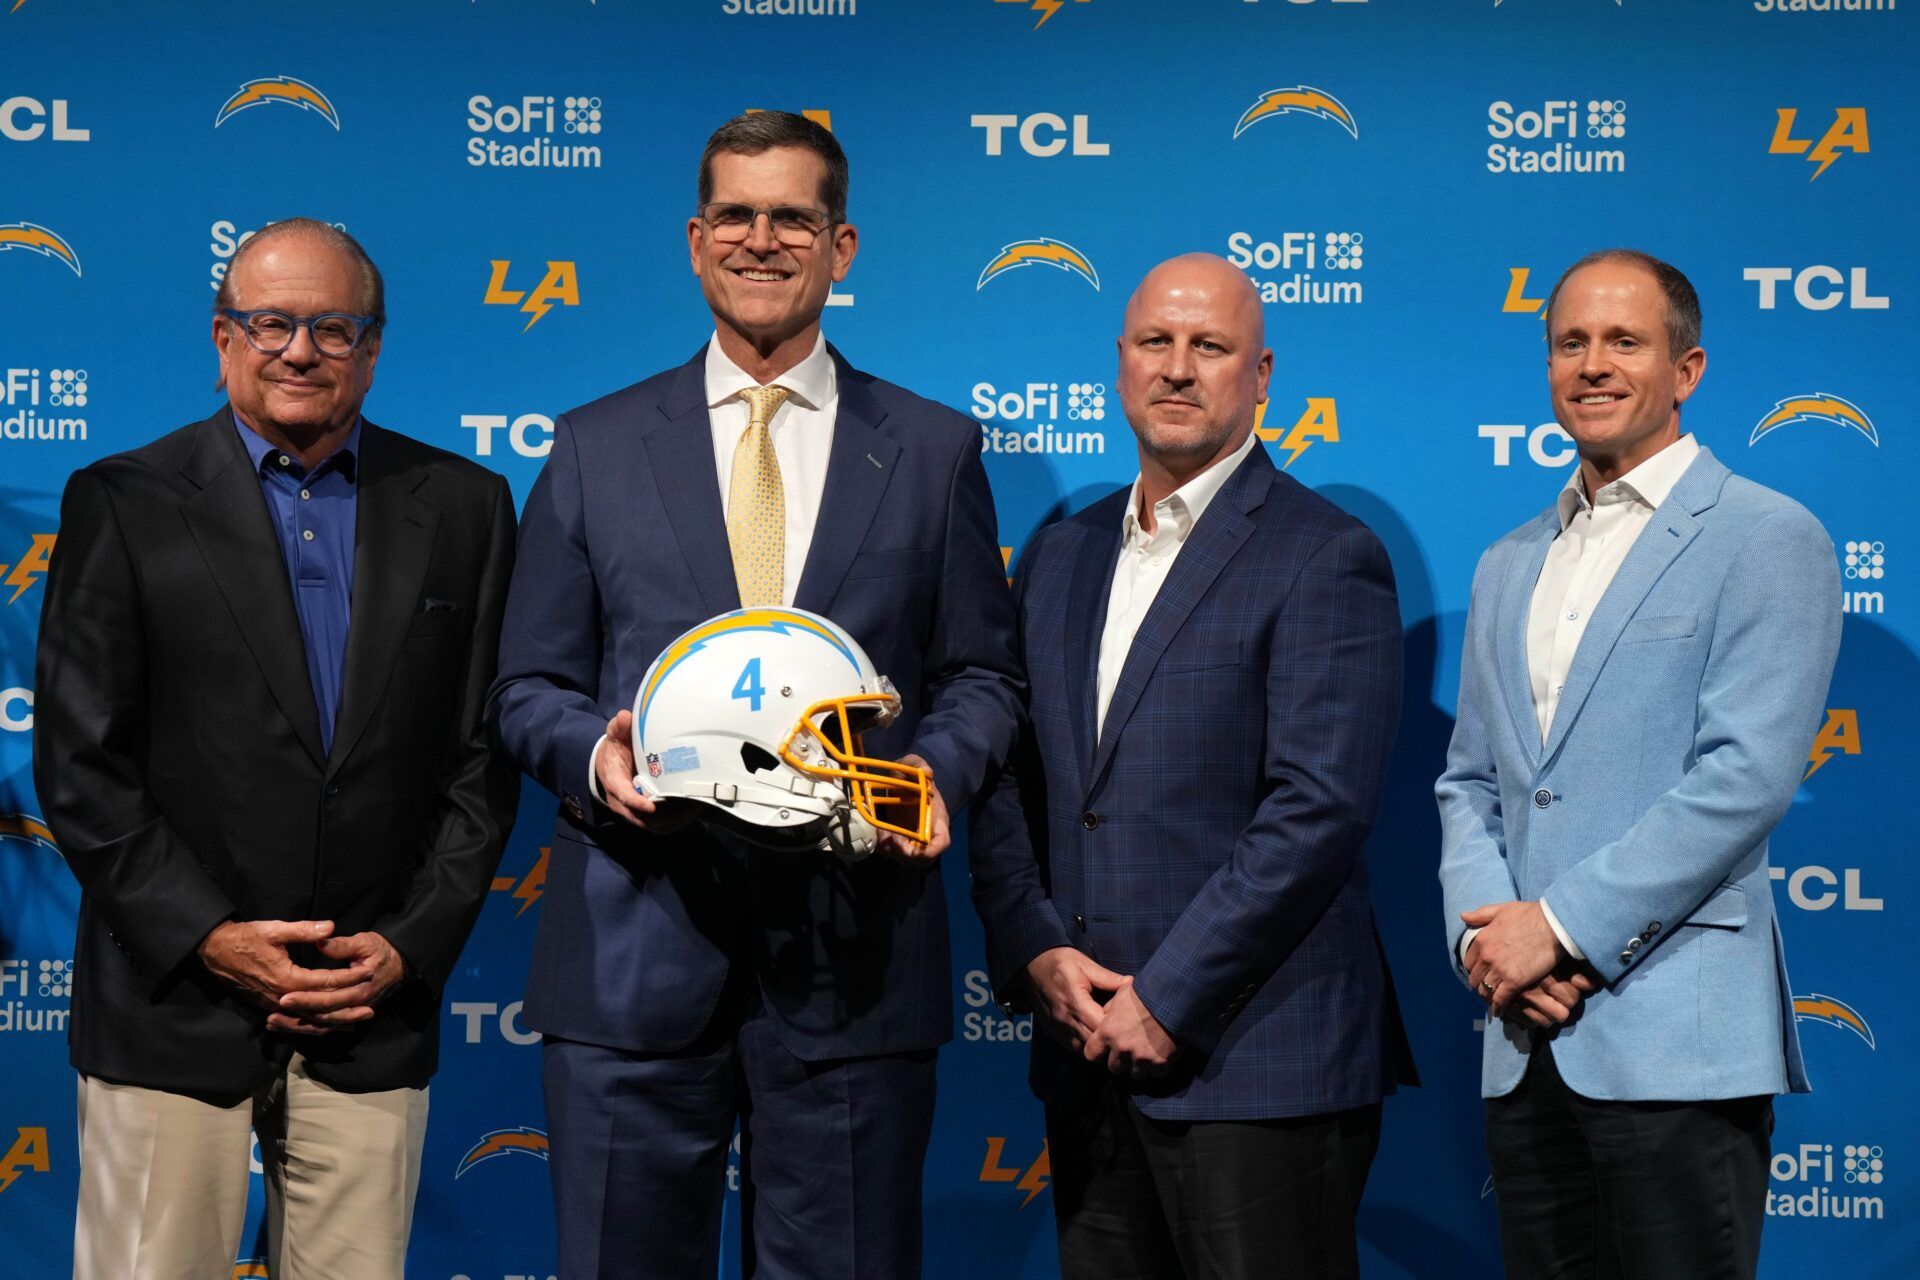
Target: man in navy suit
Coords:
[(683, 980), (1214, 655)]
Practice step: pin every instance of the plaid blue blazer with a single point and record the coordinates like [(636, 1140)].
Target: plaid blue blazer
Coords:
[(1209, 842)]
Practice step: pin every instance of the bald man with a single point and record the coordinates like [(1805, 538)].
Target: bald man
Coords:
[(1170, 869)]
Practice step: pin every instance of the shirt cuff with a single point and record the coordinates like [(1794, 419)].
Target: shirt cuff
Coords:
[(1566, 939), (1466, 940), (593, 774)]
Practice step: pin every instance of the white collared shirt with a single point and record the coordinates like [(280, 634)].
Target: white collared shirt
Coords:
[(1145, 560), (1593, 541), (802, 431)]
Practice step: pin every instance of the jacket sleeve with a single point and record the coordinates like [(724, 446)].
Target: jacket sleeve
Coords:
[(975, 685), (1776, 633), (543, 704), (1007, 850), (1473, 837), (90, 745), (1333, 706), (474, 808)]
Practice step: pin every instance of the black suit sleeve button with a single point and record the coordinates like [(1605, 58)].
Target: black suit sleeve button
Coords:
[(1079, 921), (333, 789), (1090, 820)]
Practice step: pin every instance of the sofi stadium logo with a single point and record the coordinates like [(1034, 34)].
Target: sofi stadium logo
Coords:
[(1041, 252), (1863, 560), (1830, 1180), (283, 91), (1282, 269), (983, 1020), (1817, 408), (1559, 136), (43, 405), (1825, 6), (792, 8), (522, 1141), (1041, 417), (34, 238), (535, 132), (1296, 100)]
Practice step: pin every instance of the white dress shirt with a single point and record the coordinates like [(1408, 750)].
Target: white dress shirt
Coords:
[(802, 433), (1145, 559), (1594, 539)]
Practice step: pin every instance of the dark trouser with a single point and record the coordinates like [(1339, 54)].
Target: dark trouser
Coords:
[(1143, 1199), (830, 1156), (1593, 1190)]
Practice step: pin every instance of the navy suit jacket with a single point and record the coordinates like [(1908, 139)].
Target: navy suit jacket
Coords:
[(1209, 843), (624, 547)]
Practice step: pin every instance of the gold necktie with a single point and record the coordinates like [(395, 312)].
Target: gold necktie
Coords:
[(757, 506)]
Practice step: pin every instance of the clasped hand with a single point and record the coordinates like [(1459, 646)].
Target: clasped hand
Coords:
[(251, 956), (1117, 1030), (1517, 965)]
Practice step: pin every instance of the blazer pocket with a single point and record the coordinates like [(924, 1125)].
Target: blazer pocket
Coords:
[(1202, 657), (1725, 908), (891, 564), (437, 623), (1671, 626)]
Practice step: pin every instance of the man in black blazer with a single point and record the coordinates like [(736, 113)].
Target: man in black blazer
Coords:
[(263, 659)]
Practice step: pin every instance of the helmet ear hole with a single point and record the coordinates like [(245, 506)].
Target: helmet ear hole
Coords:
[(757, 759)]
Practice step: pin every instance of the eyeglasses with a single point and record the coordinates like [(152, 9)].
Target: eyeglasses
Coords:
[(334, 333), (794, 225)]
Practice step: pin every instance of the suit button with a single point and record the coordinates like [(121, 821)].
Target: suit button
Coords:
[(1079, 922), (1542, 798), (1626, 957), (572, 806), (333, 788), (1633, 944), (1653, 928), (1090, 820)]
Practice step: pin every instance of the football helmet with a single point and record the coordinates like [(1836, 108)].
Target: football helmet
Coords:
[(758, 715)]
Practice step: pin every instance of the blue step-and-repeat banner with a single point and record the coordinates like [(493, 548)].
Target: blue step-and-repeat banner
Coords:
[(1401, 178)]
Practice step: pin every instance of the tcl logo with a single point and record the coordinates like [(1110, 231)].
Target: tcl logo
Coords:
[(1816, 288)]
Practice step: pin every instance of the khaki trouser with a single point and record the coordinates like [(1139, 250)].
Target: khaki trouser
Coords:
[(163, 1180)]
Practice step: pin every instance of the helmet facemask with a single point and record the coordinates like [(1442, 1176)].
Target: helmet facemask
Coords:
[(825, 742)]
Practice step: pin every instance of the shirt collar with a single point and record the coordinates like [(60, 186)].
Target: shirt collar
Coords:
[(1182, 509), (1648, 484), (265, 458), (811, 382)]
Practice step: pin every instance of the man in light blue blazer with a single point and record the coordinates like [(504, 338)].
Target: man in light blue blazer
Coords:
[(1644, 669)]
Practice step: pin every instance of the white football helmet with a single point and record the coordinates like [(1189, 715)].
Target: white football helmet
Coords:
[(757, 715)]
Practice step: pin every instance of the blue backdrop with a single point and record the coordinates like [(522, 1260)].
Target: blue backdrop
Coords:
[(1402, 179)]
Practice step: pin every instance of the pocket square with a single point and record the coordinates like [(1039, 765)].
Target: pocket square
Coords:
[(430, 605)]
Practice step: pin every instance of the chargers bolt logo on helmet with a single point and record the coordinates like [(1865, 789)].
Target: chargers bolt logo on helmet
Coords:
[(758, 715)]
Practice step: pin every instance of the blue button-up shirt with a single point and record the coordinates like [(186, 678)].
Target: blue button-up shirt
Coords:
[(313, 515)]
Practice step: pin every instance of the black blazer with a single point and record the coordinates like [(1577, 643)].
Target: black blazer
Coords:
[(177, 750)]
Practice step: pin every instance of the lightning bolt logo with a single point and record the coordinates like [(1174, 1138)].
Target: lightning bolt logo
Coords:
[(32, 566), (48, 244), (1053, 253), (1818, 407), (28, 829), (504, 1142), (528, 891), (1834, 1013), (295, 93), (782, 621), (16, 6), (1045, 8), (1032, 1180), (1301, 97)]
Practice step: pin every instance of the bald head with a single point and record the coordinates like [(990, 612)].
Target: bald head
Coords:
[(1193, 364), (1204, 280)]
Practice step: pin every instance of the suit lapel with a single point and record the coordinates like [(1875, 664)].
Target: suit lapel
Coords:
[(859, 468), (1215, 538), (1672, 529), (1087, 594), (229, 523), (392, 544), (1515, 601), (680, 456)]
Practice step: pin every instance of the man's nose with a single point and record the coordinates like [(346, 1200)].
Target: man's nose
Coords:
[(300, 349), (759, 241)]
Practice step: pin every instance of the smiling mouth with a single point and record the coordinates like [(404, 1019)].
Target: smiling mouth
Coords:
[(1598, 398), (762, 275)]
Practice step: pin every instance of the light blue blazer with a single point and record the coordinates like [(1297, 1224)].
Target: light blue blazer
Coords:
[(1679, 740)]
